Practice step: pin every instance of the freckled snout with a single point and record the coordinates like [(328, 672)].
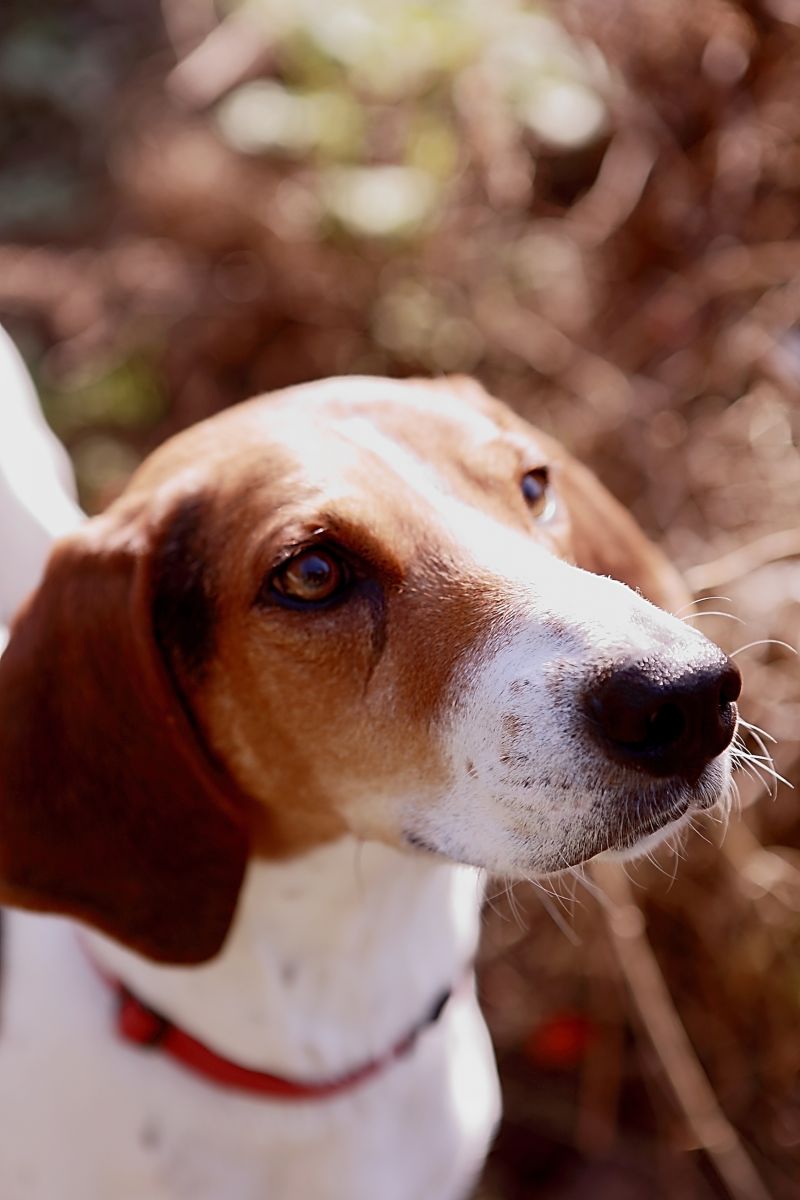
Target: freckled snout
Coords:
[(666, 719)]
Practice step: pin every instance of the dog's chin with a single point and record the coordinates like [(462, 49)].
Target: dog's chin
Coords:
[(645, 843), (659, 827), (634, 823), (627, 824)]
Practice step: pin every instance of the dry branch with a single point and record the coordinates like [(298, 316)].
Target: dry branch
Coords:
[(669, 1039), (743, 561)]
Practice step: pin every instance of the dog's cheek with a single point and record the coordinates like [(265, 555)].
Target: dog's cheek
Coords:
[(319, 742)]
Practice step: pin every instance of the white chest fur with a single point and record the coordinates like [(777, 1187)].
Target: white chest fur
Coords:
[(332, 958)]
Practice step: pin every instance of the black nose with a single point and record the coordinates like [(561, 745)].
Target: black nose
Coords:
[(663, 720)]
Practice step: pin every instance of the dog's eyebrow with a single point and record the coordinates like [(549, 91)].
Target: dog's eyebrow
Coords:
[(502, 457), (354, 534)]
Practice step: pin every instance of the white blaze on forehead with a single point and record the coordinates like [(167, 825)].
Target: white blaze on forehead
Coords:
[(333, 463), (335, 467), (466, 528), (420, 475)]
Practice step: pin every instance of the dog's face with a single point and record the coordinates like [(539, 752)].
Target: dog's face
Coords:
[(361, 601)]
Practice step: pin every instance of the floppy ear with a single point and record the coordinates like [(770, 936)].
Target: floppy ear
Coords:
[(607, 541), (111, 807)]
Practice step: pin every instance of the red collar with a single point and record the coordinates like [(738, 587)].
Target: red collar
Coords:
[(144, 1027)]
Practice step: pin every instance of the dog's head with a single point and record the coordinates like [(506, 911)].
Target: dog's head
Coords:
[(390, 609)]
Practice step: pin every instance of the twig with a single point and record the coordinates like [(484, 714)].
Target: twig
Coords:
[(597, 1125), (738, 563), (542, 345), (234, 49), (669, 1039), (626, 167), (186, 25), (494, 138), (765, 871)]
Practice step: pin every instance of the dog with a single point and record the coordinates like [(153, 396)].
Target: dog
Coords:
[(330, 657)]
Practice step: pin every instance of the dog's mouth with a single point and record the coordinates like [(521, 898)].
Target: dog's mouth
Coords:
[(631, 822), (620, 815), (651, 815), (636, 839)]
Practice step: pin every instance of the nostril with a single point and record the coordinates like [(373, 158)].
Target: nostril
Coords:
[(666, 726), (730, 685)]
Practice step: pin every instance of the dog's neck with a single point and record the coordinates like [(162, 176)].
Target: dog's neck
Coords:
[(332, 957)]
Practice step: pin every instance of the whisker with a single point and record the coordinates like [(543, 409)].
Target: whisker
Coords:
[(769, 786), (712, 613), (763, 642), (490, 904), (759, 741), (650, 856), (762, 768), (696, 829), (701, 600), (739, 765), (593, 887), (758, 729), (545, 885), (764, 761), (516, 912), (555, 916), (674, 846), (733, 799), (762, 764)]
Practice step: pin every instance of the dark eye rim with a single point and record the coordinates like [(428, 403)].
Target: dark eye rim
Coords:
[(546, 498), (271, 592)]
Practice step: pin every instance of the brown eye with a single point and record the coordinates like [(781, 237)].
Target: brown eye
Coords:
[(535, 491), (311, 577)]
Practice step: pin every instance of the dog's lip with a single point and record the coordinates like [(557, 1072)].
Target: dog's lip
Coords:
[(641, 819), (621, 842), (662, 812), (630, 838)]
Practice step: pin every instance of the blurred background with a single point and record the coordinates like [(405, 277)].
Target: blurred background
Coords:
[(594, 207)]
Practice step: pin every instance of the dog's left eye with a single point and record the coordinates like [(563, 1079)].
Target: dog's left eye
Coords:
[(313, 576), (536, 492)]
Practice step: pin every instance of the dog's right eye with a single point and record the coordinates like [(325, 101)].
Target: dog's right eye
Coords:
[(535, 489), (315, 576)]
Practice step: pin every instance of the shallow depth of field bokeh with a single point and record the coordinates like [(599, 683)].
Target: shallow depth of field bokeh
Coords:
[(595, 209)]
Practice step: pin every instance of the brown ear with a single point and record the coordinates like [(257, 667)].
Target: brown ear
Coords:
[(607, 541), (111, 808)]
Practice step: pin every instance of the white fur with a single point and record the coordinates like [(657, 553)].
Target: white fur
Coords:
[(331, 960)]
